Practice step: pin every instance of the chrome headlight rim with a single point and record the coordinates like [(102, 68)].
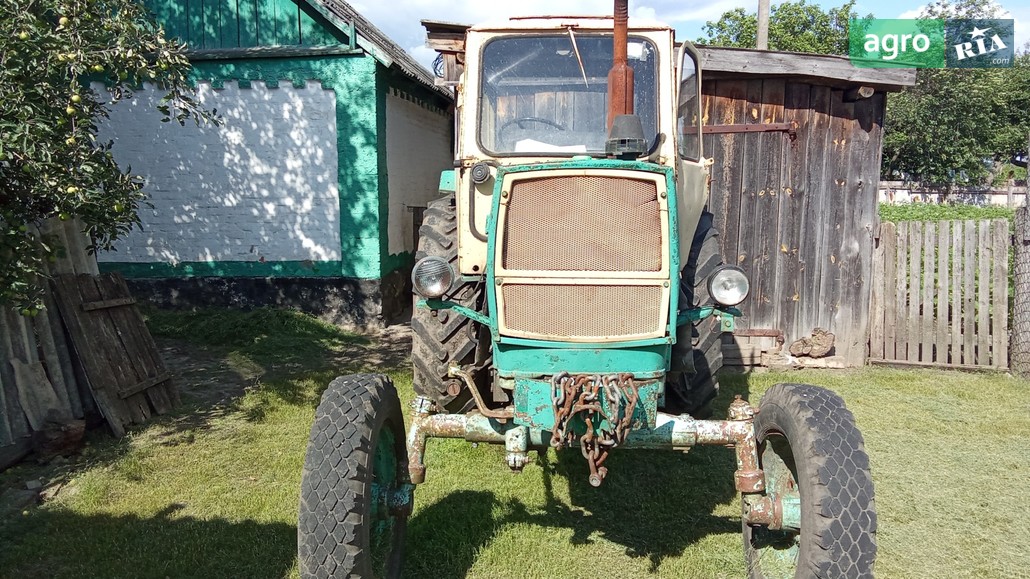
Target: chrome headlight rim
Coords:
[(731, 270), (442, 267)]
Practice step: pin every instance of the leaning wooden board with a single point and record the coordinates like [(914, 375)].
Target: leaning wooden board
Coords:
[(116, 351)]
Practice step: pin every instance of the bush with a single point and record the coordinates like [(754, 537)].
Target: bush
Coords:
[(939, 212)]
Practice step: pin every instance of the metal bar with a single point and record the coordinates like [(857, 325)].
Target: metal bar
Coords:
[(755, 128), (456, 371), (670, 432)]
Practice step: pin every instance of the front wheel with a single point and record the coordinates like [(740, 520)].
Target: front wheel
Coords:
[(354, 498), (813, 457)]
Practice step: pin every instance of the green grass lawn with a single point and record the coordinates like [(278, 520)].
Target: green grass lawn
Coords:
[(211, 491)]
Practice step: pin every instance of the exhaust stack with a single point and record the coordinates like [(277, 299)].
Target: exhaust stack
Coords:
[(620, 77), (625, 131)]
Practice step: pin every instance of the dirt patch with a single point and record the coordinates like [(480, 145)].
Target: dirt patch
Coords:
[(208, 379)]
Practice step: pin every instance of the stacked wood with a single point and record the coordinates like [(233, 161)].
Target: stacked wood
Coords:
[(49, 377)]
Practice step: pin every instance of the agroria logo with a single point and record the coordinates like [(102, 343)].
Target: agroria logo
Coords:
[(930, 43)]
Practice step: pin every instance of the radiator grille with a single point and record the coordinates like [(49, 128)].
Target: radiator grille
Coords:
[(583, 223), (582, 311)]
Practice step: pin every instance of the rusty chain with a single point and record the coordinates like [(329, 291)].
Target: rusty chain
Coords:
[(582, 395)]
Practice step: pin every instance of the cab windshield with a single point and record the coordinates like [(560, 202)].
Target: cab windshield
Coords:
[(549, 94)]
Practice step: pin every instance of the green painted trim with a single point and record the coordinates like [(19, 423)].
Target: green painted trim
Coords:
[(395, 261), (534, 405), (448, 181), (387, 265), (435, 304), (360, 135), (645, 362), (225, 269)]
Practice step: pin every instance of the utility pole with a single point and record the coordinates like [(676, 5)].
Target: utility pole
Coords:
[(763, 25)]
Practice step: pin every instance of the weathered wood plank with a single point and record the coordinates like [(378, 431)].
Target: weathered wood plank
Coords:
[(969, 293), (95, 367), (10, 330), (877, 308), (1000, 284), (45, 339), (140, 346), (730, 103), (106, 339), (104, 304), (835, 295), (144, 385), (792, 198), (901, 292), (766, 223), (889, 240), (755, 165), (915, 263), (958, 237), (941, 333), (36, 393), (78, 394), (117, 348), (859, 225), (822, 67), (928, 340), (983, 293), (816, 203)]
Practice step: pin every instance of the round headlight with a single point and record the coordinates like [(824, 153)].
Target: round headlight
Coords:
[(432, 276), (729, 286)]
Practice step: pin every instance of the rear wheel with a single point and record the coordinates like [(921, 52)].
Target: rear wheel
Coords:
[(697, 355), (813, 456), (353, 515), (443, 337)]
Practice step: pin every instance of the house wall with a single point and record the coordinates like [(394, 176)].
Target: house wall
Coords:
[(298, 259), (418, 147), (261, 188)]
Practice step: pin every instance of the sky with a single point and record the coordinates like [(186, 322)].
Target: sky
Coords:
[(400, 19)]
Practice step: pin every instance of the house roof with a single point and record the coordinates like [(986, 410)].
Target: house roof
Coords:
[(374, 41)]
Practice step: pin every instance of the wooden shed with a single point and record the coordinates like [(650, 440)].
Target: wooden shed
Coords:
[(796, 142)]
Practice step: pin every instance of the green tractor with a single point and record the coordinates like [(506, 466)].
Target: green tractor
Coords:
[(572, 295)]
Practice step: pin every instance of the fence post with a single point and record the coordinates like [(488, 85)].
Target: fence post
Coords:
[(1019, 350)]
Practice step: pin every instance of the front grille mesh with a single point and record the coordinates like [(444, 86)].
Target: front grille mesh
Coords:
[(582, 311), (583, 223)]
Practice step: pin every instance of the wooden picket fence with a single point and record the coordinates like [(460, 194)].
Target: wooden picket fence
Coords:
[(940, 294)]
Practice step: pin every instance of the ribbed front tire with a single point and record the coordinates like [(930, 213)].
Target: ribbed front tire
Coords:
[(356, 459), (810, 447)]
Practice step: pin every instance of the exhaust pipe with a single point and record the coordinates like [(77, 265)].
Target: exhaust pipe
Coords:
[(620, 77)]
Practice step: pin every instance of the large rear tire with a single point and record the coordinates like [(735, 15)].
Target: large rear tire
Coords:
[(443, 337), (697, 355), (811, 450), (354, 467)]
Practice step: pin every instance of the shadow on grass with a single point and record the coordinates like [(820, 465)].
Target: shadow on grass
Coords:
[(164, 545), (653, 503), (228, 361)]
